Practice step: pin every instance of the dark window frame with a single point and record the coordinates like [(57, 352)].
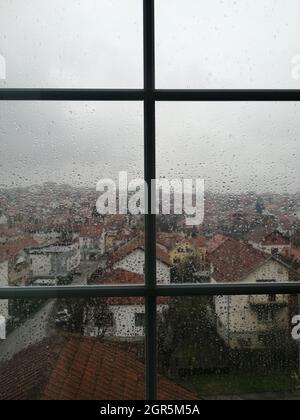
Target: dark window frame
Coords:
[(150, 290)]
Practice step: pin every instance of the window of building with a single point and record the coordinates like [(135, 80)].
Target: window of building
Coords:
[(139, 320)]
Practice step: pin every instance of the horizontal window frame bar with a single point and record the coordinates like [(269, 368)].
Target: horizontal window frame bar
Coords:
[(159, 95), (72, 95), (209, 289), (231, 95)]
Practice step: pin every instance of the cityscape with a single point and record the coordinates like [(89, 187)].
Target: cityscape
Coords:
[(226, 346)]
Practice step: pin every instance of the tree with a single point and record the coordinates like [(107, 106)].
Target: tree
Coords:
[(88, 313), (189, 270), (187, 336), (260, 207)]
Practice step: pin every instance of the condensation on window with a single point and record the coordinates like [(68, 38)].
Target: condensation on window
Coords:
[(232, 347)]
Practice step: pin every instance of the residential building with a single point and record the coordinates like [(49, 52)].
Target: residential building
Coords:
[(4, 283), (128, 314), (181, 248), (18, 262), (270, 241), (57, 260), (248, 321), (91, 241), (131, 257)]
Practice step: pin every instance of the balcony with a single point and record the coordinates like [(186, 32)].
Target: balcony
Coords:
[(268, 300)]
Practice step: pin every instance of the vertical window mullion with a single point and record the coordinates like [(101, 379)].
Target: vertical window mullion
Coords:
[(150, 220)]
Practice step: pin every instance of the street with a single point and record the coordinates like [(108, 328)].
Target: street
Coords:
[(40, 325)]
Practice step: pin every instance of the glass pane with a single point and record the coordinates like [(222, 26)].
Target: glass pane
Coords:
[(227, 44), (247, 156), (72, 349), (232, 347), (53, 156), (82, 44)]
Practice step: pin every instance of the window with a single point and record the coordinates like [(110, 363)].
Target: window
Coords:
[(139, 320), (265, 315), (163, 112)]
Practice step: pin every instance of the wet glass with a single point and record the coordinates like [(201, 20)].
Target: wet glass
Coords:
[(232, 347), (82, 44), (246, 154), (72, 349), (53, 156), (215, 44)]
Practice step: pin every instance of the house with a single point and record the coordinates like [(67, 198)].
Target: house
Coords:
[(115, 238), (180, 247), (18, 262), (57, 260), (10, 235), (3, 221), (248, 321), (131, 257), (3, 283), (269, 241), (73, 367), (128, 313), (91, 241), (186, 248)]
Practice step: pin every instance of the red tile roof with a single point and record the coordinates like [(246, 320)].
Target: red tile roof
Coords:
[(276, 238), (197, 242), (91, 231), (120, 276), (133, 245), (124, 277), (171, 240), (215, 242), (292, 253), (12, 249), (233, 260), (72, 367)]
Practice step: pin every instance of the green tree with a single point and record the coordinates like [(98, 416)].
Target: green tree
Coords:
[(87, 313)]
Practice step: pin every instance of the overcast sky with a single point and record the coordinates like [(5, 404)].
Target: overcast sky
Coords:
[(200, 44)]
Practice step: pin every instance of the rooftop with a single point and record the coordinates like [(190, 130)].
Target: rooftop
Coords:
[(72, 367)]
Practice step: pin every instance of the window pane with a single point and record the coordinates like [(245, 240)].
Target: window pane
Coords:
[(227, 347), (247, 154), (228, 44), (82, 44), (52, 157), (72, 349)]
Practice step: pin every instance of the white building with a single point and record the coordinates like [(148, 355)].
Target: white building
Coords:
[(4, 266), (249, 321), (92, 242), (3, 221), (131, 257), (273, 242), (128, 313), (55, 260)]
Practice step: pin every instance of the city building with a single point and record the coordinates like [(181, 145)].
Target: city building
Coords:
[(57, 260), (249, 321)]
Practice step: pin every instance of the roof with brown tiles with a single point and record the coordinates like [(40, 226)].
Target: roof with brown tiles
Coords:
[(12, 249), (120, 276), (91, 231), (124, 277), (172, 240), (72, 367), (215, 242), (169, 240), (133, 245), (233, 260), (276, 238)]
